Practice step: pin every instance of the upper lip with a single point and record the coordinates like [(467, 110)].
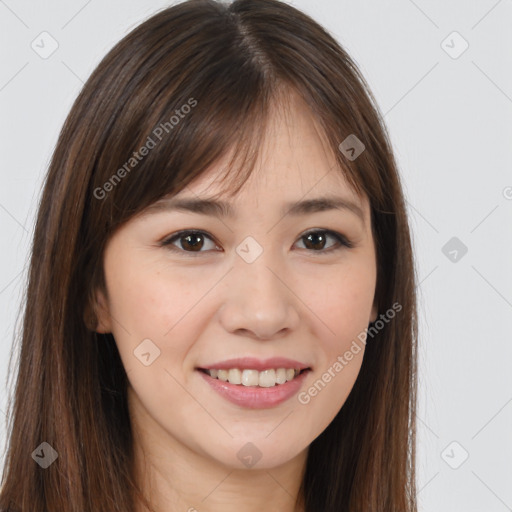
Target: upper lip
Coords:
[(253, 363)]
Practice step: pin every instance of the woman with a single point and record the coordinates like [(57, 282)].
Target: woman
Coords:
[(221, 307)]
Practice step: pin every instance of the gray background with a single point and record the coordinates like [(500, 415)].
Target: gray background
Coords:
[(449, 118)]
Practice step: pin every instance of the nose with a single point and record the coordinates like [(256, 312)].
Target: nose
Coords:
[(258, 301)]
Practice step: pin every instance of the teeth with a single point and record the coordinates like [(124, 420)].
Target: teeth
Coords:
[(250, 377), (222, 375), (281, 375), (235, 376), (267, 378), (264, 379), (291, 373)]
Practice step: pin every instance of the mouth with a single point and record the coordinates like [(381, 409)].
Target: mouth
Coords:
[(249, 377), (252, 389)]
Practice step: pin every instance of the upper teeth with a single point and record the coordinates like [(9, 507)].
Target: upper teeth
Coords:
[(266, 378)]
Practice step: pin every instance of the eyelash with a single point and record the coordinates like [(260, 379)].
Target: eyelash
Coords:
[(342, 240)]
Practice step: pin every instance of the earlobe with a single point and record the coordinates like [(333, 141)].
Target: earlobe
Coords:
[(375, 312), (102, 321)]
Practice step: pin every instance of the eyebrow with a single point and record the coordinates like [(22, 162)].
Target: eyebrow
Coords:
[(222, 209)]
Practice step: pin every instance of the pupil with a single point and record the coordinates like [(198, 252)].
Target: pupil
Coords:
[(194, 244), (317, 238)]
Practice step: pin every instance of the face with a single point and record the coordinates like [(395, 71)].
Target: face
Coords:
[(266, 281)]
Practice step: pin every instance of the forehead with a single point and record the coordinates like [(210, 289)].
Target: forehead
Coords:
[(295, 160), (329, 193), (295, 171)]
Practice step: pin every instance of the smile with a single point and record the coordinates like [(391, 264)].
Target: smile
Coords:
[(249, 377), (255, 396)]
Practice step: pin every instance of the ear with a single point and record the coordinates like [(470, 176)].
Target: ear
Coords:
[(99, 318), (375, 311)]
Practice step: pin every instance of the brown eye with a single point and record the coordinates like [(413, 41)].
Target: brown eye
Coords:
[(317, 240), (193, 242), (189, 241)]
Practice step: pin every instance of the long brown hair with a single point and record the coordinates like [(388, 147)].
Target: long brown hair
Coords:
[(227, 63)]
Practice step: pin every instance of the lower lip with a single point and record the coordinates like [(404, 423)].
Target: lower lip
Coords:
[(253, 397)]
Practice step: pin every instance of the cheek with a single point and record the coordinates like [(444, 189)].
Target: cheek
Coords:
[(156, 305), (344, 308), (343, 303), (149, 300)]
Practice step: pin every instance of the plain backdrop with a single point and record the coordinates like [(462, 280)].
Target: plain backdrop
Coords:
[(442, 75)]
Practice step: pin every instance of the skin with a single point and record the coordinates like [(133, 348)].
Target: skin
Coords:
[(199, 308)]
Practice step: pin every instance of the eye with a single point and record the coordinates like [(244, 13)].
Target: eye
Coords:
[(190, 241), (316, 240), (193, 241)]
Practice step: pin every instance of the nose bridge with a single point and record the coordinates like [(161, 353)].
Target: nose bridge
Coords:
[(256, 271), (256, 300)]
